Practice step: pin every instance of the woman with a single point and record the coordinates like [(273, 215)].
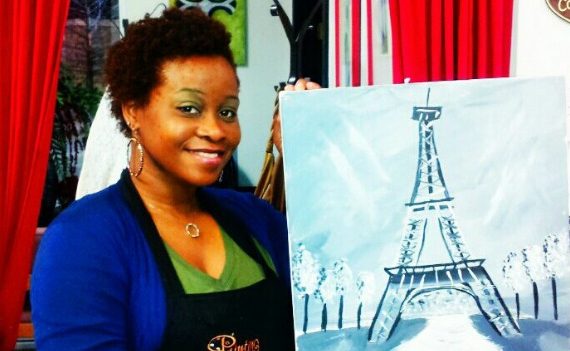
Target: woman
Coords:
[(159, 260)]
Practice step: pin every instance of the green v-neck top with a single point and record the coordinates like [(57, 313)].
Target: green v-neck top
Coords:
[(240, 270)]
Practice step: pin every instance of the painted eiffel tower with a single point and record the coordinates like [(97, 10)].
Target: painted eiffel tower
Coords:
[(431, 204)]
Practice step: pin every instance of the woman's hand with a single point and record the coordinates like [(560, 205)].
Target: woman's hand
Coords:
[(301, 84)]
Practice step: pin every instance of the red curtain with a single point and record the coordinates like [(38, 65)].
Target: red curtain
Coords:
[(450, 39), (30, 41)]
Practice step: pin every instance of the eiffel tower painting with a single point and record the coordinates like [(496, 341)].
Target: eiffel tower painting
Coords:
[(431, 205)]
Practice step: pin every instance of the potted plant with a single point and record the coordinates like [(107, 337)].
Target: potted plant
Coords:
[(75, 109)]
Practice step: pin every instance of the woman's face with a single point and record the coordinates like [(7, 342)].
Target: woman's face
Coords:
[(189, 129)]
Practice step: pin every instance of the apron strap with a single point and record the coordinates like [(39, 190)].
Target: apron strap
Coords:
[(237, 230), (167, 272)]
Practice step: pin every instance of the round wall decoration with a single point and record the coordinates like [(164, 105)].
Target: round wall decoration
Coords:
[(561, 8)]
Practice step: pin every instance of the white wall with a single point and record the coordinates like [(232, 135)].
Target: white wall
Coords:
[(541, 43), (267, 65)]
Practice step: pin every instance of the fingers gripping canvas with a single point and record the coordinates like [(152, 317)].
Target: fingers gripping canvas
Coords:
[(427, 216)]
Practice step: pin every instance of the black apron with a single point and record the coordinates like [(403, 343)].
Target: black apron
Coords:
[(254, 318)]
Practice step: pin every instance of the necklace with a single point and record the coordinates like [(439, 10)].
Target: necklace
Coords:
[(192, 230)]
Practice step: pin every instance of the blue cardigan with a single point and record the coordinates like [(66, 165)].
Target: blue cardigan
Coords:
[(95, 283)]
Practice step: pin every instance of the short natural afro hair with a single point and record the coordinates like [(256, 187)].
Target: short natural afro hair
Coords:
[(132, 69)]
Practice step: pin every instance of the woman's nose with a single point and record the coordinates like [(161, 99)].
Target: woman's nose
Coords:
[(211, 127)]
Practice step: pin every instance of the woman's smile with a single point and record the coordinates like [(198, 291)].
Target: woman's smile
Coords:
[(208, 157)]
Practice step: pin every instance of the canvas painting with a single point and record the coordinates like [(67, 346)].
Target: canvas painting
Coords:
[(429, 216)]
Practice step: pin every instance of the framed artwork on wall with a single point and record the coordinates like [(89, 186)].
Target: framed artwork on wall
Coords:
[(232, 13)]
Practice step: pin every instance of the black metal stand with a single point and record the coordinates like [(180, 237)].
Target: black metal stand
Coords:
[(307, 36)]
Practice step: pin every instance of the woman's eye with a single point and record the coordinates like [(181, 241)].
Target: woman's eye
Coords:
[(189, 110), (228, 115)]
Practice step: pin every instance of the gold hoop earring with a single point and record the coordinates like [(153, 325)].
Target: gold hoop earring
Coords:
[(140, 150)]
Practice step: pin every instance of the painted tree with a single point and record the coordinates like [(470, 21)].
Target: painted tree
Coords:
[(365, 286), (305, 275), (556, 250), (343, 278), (515, 276), (325, 292), (533, 263)]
